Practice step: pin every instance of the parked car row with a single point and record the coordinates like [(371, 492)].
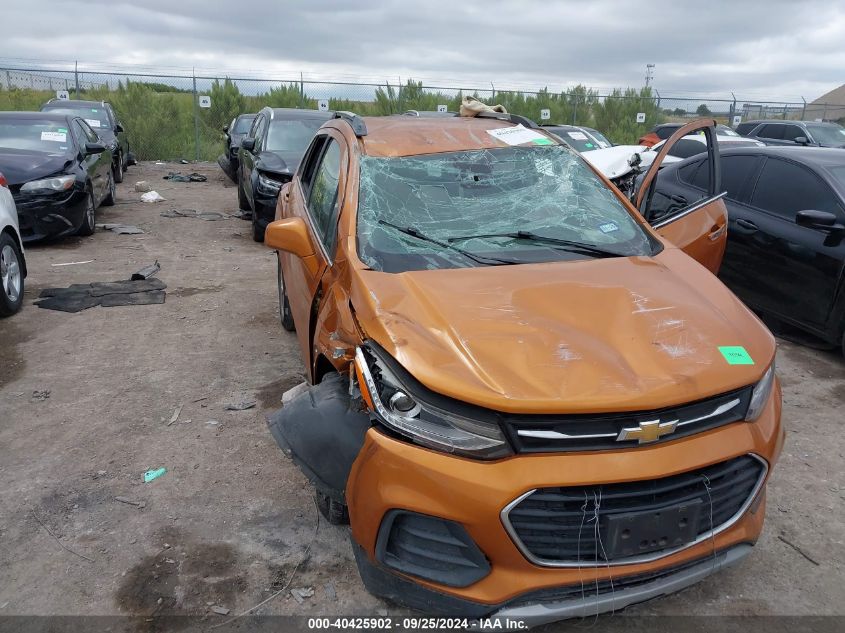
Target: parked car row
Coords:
[(57, 167)]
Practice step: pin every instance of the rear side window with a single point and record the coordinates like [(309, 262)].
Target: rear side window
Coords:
[(745, 128), (736, 170), (665, 132), (687, 147), (785, 188), (687, 172), (771, 130)]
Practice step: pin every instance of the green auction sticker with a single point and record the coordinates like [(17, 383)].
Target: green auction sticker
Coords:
[(543, 141), (736, 355), (63, 130)]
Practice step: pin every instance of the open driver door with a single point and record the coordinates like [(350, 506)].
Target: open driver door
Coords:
[(698, 227)]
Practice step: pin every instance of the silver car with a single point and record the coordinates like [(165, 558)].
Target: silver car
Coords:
[(12, 262)]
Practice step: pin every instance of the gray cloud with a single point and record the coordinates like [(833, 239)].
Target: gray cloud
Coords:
[(773, 48)]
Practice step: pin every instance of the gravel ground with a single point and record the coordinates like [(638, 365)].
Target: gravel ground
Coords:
[(232, 521)]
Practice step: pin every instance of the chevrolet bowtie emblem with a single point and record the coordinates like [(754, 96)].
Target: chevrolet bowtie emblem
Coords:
[(646, 432)]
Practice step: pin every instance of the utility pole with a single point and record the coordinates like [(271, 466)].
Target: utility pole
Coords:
[(196, 117), (76, 77), (649, 74)]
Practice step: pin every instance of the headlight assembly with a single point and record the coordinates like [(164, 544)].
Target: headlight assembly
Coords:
[(424, 423), (267, 185), (56, 183), (760, 394)]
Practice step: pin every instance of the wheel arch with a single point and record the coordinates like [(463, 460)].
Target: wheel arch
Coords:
[(17, 240)]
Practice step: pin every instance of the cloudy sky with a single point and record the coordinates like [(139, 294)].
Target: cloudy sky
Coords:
[(774, 48)]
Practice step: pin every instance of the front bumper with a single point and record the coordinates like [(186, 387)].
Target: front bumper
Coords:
[(47, 216), (265, 207), (392, 474)]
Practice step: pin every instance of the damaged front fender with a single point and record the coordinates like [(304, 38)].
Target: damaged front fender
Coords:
[(323, 431)]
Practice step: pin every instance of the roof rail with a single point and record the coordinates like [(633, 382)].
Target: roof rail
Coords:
[(513, 118), (357, 123)]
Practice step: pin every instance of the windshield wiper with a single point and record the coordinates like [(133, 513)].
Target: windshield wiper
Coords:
[(543, 239), (481, 259)]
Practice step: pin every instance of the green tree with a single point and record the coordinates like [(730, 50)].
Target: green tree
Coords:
[(702, 110), (227, 102)]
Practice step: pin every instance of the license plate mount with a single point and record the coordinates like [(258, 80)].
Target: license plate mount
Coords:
[(637, 533)]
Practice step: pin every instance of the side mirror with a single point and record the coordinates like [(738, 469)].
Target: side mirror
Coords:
[(801, 140), (248, 144), (118, 128), (821, 220), (94, 148), (290, 235), (225, 128)]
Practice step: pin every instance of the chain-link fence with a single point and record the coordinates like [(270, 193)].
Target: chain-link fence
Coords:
[(163, 117)]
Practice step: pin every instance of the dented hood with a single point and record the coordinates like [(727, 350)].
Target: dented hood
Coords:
[(615, 334)]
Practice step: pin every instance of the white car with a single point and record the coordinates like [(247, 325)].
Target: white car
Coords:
[(12, 262)]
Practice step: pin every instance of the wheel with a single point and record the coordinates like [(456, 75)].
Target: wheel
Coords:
[(90, 219), (118, 173), (243, 203), (284, 307), (11, 276), (108, 201), (257, 229), (335, 512)]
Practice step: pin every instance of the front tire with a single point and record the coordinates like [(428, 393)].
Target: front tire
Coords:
[(89, 222), (118, 173), (285, 314), (11, 276), (243, 203)]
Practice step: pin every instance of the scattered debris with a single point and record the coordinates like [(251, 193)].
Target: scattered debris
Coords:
[(240, 406), (146, 272), (138, 504), (41, 394), (220, 610), (210, 216), (175, 415), (176, 176), (142, 186), (152, 196), (87, 261), (300, 594), (120, 229), (330, 592), (184, 161), (799, 550), (293, 392), (213, 422), (242, 214), (78, 297), (150, 475)]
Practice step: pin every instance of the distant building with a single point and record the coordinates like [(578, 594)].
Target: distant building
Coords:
[(829, 107)]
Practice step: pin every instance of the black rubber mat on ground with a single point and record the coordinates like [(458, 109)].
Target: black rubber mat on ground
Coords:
[(108, 294)]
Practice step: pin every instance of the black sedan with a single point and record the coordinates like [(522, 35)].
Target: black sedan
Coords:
[(57, 170), (785, 253), (100, 116), (235, 132), (269, 156)]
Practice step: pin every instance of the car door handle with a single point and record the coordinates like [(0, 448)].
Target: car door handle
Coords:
[(717, 232), (746, 224)]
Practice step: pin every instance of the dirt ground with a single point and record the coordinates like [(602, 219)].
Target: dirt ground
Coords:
[(233, 519)]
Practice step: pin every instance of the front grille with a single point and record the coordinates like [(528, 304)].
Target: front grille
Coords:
[(430, 548), (554, 433), (587, 525)]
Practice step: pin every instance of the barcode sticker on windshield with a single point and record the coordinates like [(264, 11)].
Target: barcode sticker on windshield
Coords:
[(516, 135), (59, 137), (93, 122)]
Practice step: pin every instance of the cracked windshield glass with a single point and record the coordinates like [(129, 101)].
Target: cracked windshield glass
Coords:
[(489, 207)]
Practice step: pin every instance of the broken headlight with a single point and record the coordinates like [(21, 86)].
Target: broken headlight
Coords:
[(269, 186), (760, 394), (426, 424)]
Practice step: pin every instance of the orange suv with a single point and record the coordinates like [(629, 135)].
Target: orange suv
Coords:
[(530, 396)]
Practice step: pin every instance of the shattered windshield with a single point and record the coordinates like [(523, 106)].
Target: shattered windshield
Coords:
[(510, 205)]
